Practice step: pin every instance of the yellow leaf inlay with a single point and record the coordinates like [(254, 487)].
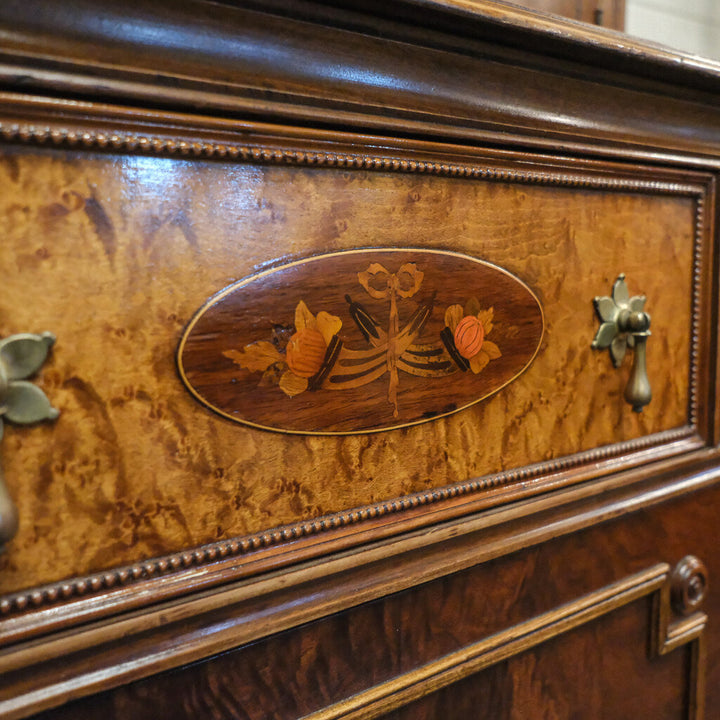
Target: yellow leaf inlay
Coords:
[(453, 315), (491, 349), (328, 325), (478, 363), (256, 357), (303, 317), (486, 318), (292, 384)]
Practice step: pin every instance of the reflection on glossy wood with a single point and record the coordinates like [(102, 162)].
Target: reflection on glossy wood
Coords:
[(610, 660), (155, 153), (169, 232)]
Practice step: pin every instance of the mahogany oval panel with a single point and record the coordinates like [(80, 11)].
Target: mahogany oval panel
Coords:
[(360, 341)]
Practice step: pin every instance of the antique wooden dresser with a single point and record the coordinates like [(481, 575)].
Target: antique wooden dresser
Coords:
[(357, 360)]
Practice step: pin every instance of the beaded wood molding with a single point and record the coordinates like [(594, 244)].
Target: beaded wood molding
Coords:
[(469, 494), (215, 555), (169, 147)]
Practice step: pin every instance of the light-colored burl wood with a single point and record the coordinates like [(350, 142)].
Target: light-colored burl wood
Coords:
[(114, 254)]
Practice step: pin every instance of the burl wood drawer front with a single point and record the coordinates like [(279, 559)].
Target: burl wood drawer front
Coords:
[(115, 253)]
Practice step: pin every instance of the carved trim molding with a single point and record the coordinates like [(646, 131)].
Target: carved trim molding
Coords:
[(700, 226), (689, 585), (683, 594), (72, 663), (565, 470), (666, 635), (92, 139), (237, 547)]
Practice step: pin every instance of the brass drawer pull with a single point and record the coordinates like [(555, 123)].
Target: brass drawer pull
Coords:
[(21, 402), (624, 323)]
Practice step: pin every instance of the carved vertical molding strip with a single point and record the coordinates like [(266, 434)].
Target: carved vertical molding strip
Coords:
[(679, 621)]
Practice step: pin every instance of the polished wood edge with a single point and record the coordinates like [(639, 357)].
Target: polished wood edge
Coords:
[(77, 124), (74, 662), (449, 669), (179, 136), (551, 34), (403, 158), (62, 56)]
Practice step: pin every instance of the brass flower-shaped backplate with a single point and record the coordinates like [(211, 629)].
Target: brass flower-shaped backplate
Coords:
[(611, 311), (22, 402)]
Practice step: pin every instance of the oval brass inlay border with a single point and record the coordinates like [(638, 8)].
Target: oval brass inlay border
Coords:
[(360, 341)]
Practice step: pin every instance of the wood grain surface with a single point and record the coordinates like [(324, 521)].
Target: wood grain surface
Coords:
[(604, 668), (388, 352), (114, 254), (469, 70), (597, 671)]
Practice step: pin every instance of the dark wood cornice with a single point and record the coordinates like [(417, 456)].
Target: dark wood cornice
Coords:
[(492, 71)]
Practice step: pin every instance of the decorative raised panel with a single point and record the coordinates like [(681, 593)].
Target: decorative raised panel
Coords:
[(112, 625), (666, 636), (101, 654)]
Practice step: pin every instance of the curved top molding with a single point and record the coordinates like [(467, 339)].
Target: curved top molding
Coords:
[(207, 31), (512, 26), (448, 68)]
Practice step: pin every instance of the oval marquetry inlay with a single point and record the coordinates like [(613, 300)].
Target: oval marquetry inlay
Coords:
[(360, 341)]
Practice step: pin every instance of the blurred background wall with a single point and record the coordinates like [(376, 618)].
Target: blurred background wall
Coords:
[(690, 25)]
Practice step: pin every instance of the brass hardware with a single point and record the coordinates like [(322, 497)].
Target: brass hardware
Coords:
[(624, 323), (21, 402)]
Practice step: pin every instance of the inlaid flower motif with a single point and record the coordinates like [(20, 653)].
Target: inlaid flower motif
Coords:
[(293, 363), (20, 401), (470, 326)]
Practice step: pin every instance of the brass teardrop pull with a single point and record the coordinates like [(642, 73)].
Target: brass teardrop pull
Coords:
[(624, 323), (21, 403)]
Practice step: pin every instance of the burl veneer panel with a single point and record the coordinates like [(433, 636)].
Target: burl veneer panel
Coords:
[(115, 254)]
